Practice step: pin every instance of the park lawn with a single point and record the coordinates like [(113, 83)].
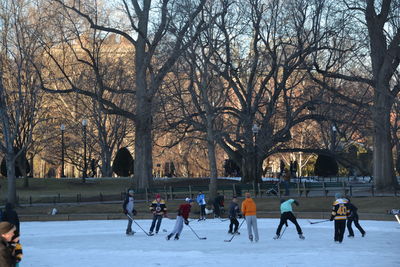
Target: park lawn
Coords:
[(267, 206), (316, 207)]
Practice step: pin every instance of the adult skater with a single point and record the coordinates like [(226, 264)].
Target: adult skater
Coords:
[(249, 210), (287, 214), (128, 207), (201, 200), (183, 216), (234, 212), (159, 209), (340, 212), (353, 217)]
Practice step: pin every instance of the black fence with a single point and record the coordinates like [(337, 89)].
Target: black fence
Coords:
[(265, 189)]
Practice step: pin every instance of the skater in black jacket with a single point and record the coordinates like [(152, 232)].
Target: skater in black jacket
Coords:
[(159, 210), (340, 212), (234, 212), (353, 217)]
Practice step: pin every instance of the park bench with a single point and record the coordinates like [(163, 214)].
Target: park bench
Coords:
[(353, 188), (324, 187)]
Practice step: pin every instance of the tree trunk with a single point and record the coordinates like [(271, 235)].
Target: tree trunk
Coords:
[(383, 173), (106, 169), (11, 180), (212, 161), (251, 169), (143, 145)]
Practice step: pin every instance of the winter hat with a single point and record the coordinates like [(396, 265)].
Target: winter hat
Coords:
[(5, 227), (158, 196), (189, 200), (338, 195)]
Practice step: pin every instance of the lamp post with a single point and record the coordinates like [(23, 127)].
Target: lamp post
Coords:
[(62, 128), (84, 173), (334, 131), (255, 130)]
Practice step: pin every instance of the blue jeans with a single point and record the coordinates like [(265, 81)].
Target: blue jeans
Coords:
[(156, 218), (286, 185)]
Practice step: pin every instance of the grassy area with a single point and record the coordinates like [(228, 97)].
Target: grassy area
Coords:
[(316, 207), (265, 206)]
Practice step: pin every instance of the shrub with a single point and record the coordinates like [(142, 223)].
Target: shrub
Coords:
[(123, 163), (21, 158), (325, 166)]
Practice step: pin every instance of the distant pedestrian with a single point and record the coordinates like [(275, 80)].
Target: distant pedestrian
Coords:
[(218, 205), (249, 210), (159, 210), (11, 216), (339, 214), (129, 209), (293, 169), (353, 217), (281, 168), (183, 217), (286, 181), (287, 214), (234, 212), (201, 201)]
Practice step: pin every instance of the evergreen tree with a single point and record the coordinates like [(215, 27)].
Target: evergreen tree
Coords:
[(123, 163), (325, 166), (20, 159)]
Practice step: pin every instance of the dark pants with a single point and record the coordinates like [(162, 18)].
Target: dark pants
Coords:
[(156, 218), (202, 211), (350, 221), (288, 216), (217, 210), (235, 222), (340, 228), (286, 185)]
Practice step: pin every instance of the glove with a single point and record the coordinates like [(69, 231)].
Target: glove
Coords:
[(332, 217), (240, 216), (125, 212), (186, 222), (134, 212)]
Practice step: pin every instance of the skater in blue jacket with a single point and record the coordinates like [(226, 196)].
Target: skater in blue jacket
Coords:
[(287, 214)]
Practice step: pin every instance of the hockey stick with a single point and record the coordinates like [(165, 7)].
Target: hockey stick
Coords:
[(200, 238), (280, 236), (229, 240), (318, 221), (129, 216)]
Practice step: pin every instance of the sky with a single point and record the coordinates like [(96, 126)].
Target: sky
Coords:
[(104, 243)]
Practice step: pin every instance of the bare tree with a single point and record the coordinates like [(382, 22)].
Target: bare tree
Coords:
[(144, 26), (19, 98), (265, 47), (369, 28)]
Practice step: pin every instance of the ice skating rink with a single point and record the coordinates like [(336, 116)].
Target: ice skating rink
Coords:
[(104, 243)]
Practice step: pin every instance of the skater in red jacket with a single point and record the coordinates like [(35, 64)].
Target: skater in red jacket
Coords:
[(183, 217)]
